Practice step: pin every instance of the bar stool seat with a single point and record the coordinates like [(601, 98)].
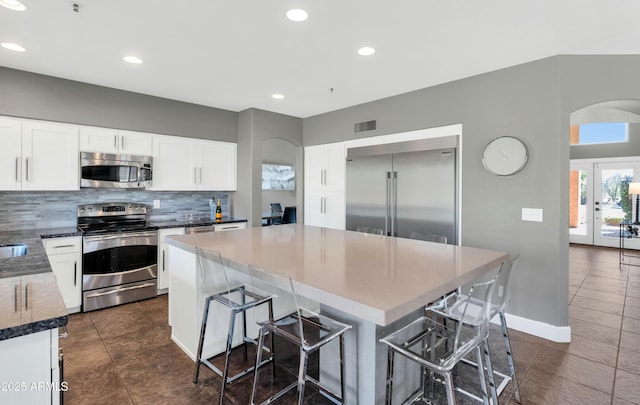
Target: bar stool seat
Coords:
[(215, 285), (308, 331)]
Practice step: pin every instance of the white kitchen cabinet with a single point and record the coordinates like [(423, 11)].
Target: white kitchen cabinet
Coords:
[(193, 164), (10, 154), (324, 167), (105, 140), (44, 156), (163, 259), (325, 209), (324, 174), (230, 227), (29, 373), (65, 257)]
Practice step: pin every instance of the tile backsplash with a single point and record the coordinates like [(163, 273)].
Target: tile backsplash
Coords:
[(54, 209)]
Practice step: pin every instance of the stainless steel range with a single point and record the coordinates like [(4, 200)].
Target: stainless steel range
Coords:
[(119, 254)]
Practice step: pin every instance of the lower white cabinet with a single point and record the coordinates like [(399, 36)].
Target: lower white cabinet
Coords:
[(29, 371), (65, 257), (325, 209), (163, 259)]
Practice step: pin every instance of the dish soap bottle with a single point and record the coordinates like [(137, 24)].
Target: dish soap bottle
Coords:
[(218, 212)]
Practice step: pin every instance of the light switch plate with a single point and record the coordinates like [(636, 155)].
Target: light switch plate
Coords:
[(532, 214), (156, 203)]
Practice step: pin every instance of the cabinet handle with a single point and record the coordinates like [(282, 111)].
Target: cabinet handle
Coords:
[(15, 299), (27, 169), (26, 297), (17, 168), (195, 175), (122, 144), (115, 141), (62, 246), (75, 273), (163, 264)]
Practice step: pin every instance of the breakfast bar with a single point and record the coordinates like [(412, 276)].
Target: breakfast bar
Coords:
[(374, 283)]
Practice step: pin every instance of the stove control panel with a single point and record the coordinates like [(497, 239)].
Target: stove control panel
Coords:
[(111, 209)]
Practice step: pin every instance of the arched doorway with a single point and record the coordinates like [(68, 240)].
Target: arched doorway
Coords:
[(605, 159)]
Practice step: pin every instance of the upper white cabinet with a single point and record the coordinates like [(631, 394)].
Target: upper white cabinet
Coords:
[(324, 167), (38, 155), (10, 154), (324, 179), (193, 164), (105, 140)]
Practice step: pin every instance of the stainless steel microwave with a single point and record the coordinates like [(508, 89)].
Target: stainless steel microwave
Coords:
[(107, 170)]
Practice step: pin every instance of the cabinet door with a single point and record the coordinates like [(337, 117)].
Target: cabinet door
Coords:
[(94, 139), (26, 362), (10, 154), (174, 163), (334, 210), (334, 177), (315, 162), (136, 143), (163, 257), (50, 156), (10, 301), (217, 166), (68, 271), (314, 209)]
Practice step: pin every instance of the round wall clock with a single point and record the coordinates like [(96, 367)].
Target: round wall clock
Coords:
[(505, 156)]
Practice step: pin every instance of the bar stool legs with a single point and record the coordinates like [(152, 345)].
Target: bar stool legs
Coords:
[(235, 310), (512, 368)]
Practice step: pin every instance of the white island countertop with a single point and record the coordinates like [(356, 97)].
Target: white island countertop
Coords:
[(379, 279)]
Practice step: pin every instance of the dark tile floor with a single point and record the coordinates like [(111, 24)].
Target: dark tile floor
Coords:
[(124, 355)]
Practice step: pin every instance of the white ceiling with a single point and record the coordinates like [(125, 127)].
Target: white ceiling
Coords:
[(235, 54)]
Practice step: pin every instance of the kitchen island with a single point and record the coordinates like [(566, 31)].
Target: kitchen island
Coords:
[(375, 283)]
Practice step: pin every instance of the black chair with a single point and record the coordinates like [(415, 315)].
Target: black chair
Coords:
[(289, 215)]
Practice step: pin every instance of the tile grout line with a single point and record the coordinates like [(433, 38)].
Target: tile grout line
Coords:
[(113, 363)]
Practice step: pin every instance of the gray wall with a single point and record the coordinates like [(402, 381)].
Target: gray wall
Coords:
[(283, 152), (254, 127), (522, 101), (29, 95), (631, 148)]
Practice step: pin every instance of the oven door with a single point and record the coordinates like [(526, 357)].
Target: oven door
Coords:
[(119, 258)]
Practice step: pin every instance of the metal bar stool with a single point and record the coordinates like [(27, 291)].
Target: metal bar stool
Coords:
[(307, 330), (215, 286), (420, 342)]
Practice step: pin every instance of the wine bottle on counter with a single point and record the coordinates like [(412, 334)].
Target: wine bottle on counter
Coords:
[(218, 212)]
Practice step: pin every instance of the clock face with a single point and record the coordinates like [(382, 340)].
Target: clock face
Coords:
[(505, 156)]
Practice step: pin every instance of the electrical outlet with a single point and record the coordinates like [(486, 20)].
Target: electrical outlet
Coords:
[(156, 203)]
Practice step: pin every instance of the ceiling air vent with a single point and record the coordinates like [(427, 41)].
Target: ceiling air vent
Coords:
[(365, 126)]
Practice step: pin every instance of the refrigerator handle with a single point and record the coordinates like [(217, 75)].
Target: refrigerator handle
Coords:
[(394, 205), (387, 199)]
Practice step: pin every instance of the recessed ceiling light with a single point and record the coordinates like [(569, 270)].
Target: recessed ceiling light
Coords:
[(297, 15), (13, 5), (278, 96), (13, 47), (366, 51), (132, 59)]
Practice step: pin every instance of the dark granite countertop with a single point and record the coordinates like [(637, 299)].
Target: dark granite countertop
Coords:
[(190, 223), (42, 308)]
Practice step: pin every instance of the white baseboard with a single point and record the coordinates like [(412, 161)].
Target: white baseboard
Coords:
[(561, 334)]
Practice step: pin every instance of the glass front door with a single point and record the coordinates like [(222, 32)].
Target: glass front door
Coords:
[(599, 201)]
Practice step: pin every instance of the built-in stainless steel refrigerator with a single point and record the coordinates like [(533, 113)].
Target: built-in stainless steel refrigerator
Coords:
[(403, 188)]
